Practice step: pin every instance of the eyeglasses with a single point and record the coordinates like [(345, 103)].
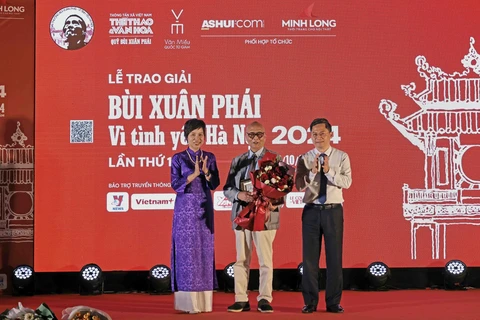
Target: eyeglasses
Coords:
[(252, 135), (320, 134)]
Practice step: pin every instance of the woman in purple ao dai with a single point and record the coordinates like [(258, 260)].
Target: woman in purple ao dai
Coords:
[(194, 174)]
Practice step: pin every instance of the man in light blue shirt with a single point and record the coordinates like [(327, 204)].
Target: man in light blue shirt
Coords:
[(322, 173)]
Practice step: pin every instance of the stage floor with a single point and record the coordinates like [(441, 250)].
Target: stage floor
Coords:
[(400, 304)]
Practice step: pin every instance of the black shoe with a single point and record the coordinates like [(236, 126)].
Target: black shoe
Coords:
[(239, 307), (309, 308), (335, 308), (264, 306)]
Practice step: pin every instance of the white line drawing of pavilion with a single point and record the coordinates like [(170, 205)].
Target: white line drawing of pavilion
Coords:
[(16, 184), (449, 114)]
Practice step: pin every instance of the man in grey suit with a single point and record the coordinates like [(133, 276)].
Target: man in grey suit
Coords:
[(263, 240)]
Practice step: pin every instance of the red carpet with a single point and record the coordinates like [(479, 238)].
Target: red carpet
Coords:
[(407, 304)]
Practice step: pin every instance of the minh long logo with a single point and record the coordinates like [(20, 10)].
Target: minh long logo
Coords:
[(6, 9), (232, 24), (309, 22)]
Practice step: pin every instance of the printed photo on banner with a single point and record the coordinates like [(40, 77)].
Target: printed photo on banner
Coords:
[(71, 28)]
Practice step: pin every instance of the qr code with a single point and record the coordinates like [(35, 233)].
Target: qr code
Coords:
[(81, 131)]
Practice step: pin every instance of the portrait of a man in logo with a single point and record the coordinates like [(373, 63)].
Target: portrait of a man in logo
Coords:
[(71, 28)]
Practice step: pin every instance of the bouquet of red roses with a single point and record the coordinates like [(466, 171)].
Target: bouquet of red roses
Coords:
[(271, 182)]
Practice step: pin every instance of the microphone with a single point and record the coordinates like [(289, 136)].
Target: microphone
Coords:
[(321, 159)]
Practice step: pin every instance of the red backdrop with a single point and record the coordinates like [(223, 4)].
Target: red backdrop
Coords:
[(296, 62), (17, 18)]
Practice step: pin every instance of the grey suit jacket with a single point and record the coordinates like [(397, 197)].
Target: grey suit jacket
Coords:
[(237, 172)]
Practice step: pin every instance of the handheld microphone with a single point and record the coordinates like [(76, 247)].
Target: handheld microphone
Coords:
[(321, 159)]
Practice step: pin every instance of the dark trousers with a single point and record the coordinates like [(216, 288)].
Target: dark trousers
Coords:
[(315, 223)]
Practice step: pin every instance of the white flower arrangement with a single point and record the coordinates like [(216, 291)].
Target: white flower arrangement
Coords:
[(22, 313), (84, 313)]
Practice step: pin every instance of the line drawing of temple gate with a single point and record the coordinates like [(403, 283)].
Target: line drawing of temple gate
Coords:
[(16, 189), (443, 128)]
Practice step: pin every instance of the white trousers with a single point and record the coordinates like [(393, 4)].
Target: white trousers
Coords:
[(263, 241), (193, 302)]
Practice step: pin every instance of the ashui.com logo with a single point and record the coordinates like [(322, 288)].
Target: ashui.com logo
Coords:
[(232, 24), (117, 202), (71, 28)]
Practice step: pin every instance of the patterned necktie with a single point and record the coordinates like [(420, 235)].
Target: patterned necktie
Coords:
[(253, 163), (322, 195), (251, 166)]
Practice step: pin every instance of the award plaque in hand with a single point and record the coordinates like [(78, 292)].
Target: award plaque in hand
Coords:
[(246, 185)]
